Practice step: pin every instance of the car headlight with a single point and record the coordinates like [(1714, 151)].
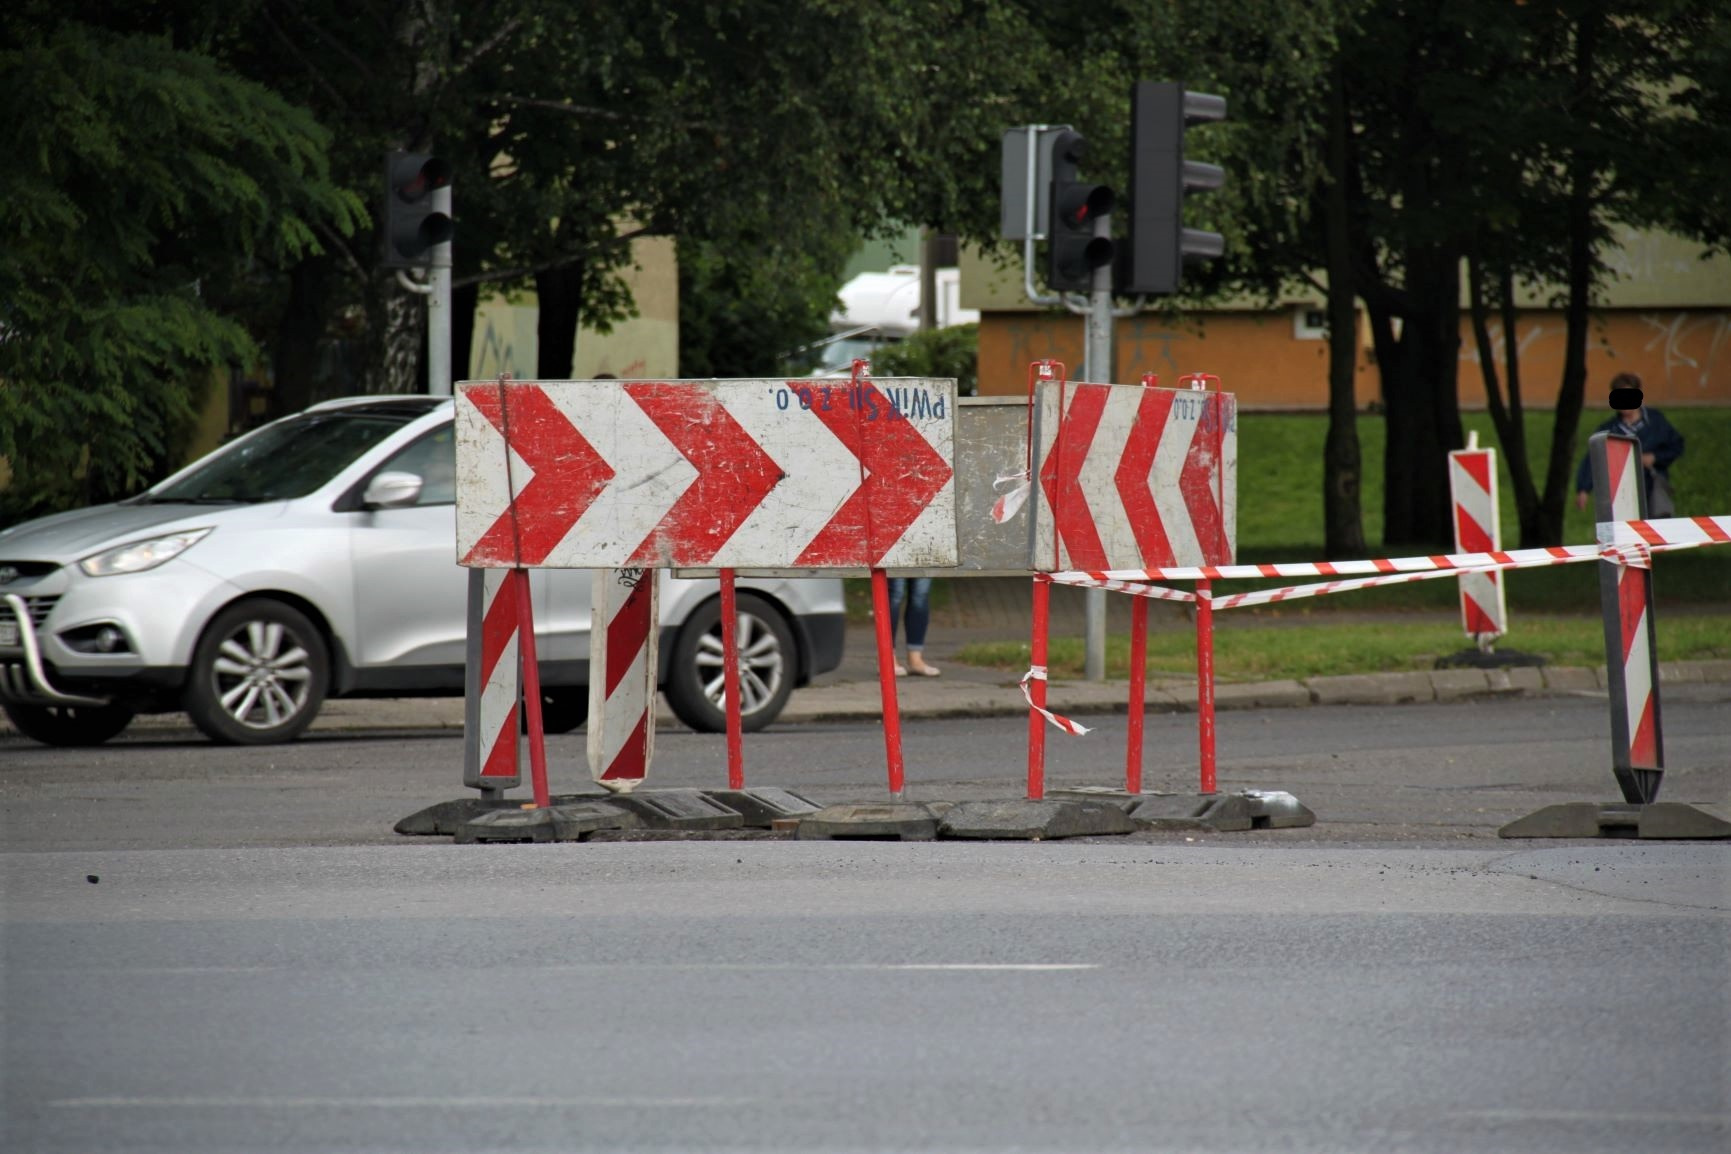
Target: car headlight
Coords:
[(137, 556)]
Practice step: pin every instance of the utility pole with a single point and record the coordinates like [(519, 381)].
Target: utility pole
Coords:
[(1097, 366)]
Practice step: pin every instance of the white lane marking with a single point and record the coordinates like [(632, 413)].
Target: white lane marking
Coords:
[(593, 967), (634, 1101), (1644, 1117)]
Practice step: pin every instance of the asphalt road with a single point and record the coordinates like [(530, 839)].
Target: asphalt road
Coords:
[(225, 950), (1430, 774)]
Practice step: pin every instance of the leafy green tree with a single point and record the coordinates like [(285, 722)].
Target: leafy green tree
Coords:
[(142, 182), (947, 352)]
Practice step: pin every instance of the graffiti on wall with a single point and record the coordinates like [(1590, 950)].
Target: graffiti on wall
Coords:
[(1695, 347)]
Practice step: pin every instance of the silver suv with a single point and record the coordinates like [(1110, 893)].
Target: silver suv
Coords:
[(314, 558)]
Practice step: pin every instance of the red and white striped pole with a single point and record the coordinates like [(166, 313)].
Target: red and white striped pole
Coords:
[(622, 672), (491, 686), (1478, 529), (1626, 595)]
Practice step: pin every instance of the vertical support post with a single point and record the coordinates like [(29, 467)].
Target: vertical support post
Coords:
[(1138, 694), (887, 682), (1098, 354), (1042, 600), (730, 680), (531, 689), (439, 375), (1631, 652), (1205, 682), (492, 685)]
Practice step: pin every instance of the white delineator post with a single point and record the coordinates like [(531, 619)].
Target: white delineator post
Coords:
[(492, 685), (1478, 529), (622, 675), (1626, 595)]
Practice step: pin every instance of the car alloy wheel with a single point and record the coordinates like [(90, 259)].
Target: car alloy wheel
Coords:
[(259, 674), (696, 682)]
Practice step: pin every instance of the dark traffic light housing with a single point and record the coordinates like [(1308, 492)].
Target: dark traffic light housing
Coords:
[(1073, 252), (1160, 179), (417, 208)]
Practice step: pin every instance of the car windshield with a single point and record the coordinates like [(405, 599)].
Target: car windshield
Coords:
[(288, 459)]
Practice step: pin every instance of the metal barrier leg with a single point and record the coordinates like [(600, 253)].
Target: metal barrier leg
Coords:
[(1037, 692), (887, 682), (1205, 682), (730, 679), (1138, 686)]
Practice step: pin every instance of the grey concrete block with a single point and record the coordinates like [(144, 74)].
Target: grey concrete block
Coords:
[(1456, 684), (894, 821), (1577, 819), (1277, 809), (761, 808), (1673, 819), (571, 822), (1222, 812), (1679, 672), (1371, 689), (1521, 679), (1112, 794), (1261, 695), (1715, 669), (442, 819), (686, 809), (1571, 679), (1027, 820)]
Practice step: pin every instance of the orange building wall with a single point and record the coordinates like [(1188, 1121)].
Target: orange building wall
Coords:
[(1683, 356)]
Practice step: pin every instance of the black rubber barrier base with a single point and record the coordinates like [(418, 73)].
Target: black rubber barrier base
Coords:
[(1671, 820)]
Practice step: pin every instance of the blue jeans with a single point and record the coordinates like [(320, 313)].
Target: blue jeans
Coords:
[(919, 608)]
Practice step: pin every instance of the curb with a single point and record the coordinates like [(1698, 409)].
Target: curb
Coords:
[(959, 698)]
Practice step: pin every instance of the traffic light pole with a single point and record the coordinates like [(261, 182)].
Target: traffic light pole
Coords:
[(439, 376), (1097, 366)]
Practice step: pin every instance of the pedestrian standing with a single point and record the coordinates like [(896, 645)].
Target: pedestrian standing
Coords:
[(1661, 445)]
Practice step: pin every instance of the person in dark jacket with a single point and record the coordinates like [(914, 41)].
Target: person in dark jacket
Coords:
[(1661, 445)]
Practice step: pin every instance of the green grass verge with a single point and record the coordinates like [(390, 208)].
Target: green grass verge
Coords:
[(1280, 476), (1288, 649)]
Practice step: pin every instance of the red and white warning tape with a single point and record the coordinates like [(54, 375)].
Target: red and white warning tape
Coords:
[(1669, 531), (1134, 588), (1038, 673)]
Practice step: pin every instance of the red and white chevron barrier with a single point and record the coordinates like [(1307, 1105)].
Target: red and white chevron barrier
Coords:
[(760, 474), (1129, 474), (1478, 529), (490, 724), (622, 675), (1626, 593)]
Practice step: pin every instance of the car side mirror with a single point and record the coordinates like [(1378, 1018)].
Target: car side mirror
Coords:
[(392, 490)]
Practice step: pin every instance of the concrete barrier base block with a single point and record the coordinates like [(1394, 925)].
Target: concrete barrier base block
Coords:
[(1222, 812), (443, 819), (679, 809), (1026, 820), (1277, 809), (762, 808), (896, 821), (555, 823), (1123, 799), (1661, 820)]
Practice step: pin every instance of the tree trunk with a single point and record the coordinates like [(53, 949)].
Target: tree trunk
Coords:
[(1342, 466), (1423, 404), (559, 294), (1509, 419), (300, 331), (1571, 397)]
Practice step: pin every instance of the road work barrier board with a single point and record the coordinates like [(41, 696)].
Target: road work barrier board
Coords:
[(744, 474)]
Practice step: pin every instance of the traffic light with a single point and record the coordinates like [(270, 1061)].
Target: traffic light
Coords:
[(417, 208), (1073, 252), (1160, 179)]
